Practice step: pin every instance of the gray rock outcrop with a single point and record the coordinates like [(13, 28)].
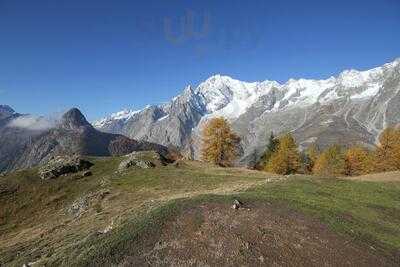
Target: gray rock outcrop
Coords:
[(143, 160), (63, 165)]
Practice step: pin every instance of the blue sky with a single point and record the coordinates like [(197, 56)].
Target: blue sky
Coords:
[(102, 56)]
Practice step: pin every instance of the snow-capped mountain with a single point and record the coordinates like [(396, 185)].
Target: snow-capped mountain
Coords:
[(353, 107), (122, 115)]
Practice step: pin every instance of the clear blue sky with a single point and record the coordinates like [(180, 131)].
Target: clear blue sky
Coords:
[(102, 56)]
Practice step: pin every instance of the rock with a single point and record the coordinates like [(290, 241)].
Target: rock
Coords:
[(237, 204), (144, 164), (143, 160), (83, 203), (62, 165), (261, 258), (107, 229), (87, 174), (79, 206)]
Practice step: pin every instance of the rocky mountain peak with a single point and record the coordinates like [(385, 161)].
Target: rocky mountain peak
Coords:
[(73, 119), (5, 109)]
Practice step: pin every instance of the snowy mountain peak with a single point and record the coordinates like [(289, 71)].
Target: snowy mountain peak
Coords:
[(124, 114), (6, 109), (222, 95), (393, 64)]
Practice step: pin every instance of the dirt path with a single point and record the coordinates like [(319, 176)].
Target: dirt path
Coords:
[(377, 177), (260, 234)]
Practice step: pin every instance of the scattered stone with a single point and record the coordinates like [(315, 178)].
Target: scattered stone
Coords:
[(86, 174), (63, 165), (104, 182), (237, 204), (107, 229), (261, 258), (79, 206), (83, 203)]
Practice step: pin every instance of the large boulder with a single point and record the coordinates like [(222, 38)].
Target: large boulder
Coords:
[(143, 160), (61, 165)]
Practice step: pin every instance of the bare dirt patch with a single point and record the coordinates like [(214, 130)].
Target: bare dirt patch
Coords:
[(261, 234)]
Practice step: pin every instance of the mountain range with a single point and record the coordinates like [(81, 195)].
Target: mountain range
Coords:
[(27, 141), (352, 108)]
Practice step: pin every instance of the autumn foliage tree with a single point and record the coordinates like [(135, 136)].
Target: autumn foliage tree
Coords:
[(331, 162), (272, 146), (388, 151), (286, 159), (309, 157), (359, 161), (220, 143)]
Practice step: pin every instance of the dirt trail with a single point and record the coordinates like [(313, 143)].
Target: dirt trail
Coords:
[(261, 234), (377, 177)]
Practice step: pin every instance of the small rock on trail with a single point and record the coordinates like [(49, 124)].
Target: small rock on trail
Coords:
[(237, 204)]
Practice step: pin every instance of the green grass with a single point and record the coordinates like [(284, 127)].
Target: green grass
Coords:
[(367, 211)]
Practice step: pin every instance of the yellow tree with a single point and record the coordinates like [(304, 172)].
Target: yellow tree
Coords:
[(388, 151), (359, 160), (331, 162), (220, 143), (311, 155), (286, 159)]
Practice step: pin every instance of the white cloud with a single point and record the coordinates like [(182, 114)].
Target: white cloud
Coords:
[(32, 123)]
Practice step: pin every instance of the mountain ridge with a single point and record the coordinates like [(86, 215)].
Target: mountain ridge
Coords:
[(350, 78), (358, 104), (25, 147)]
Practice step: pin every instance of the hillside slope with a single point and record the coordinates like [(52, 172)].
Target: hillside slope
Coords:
[(181, 214)]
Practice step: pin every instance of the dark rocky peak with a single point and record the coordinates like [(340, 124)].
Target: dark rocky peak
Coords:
[(74, 119), (5, 109)]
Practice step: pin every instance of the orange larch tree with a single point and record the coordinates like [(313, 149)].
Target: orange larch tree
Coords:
[(220, 143)]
